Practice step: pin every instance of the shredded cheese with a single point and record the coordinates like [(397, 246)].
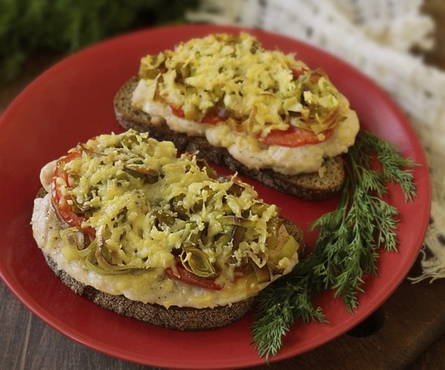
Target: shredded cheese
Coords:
[(146, 204), (260, 90)]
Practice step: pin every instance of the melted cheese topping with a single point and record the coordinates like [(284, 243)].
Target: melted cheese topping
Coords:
[(150, 286), (144, 204), (262, 89), (256, 90)]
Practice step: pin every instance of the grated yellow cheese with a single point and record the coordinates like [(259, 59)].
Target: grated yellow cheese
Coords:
[(261, 90), (146, 205)]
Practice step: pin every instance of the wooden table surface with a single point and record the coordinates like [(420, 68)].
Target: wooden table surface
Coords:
[(411, 336)]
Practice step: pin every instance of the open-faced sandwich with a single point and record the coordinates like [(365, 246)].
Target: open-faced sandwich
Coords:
[(133, 227), (259, 112)]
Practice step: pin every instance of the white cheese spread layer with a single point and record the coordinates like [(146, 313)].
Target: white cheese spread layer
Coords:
[(147, 287), (286, 160)]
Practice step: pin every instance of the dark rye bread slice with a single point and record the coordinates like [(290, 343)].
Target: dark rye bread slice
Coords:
[(179, 318), (307, 186)]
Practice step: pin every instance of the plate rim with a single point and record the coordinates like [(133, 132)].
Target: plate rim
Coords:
[(60, 326)]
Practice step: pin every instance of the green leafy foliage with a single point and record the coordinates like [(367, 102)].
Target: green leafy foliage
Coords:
[(346, 247), (65, 25)]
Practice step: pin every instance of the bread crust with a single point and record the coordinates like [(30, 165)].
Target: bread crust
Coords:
[(306, 186), (179, 318)]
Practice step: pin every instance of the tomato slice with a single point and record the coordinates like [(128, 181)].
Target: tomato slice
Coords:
[(178, 112), (192, 279), (212, 119), (62, 202), (294, 137), (298, 72)]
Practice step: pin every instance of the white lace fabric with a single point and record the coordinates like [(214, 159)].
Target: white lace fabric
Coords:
[(375, 36)]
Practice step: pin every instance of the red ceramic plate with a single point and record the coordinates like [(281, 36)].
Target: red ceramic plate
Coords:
[(72, 102)]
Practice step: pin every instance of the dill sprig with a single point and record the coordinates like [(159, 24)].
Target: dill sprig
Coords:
[(347, 245)]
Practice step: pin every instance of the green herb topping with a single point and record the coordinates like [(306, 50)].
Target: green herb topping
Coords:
[(347, 245)]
